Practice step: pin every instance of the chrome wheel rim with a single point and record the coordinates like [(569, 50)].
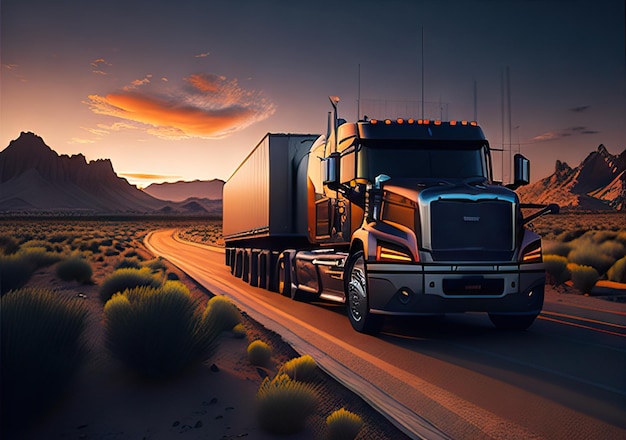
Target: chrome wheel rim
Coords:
[(357, 291)]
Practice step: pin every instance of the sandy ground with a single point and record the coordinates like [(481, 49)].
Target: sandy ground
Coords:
[(213, 401)]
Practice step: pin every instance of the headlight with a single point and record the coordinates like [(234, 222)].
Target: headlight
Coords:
[(532, 253), (389, 252)]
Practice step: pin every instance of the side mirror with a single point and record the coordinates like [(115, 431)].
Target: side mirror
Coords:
[(331, 171), (521, 171)]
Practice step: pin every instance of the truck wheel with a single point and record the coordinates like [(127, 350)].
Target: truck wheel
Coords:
[(357, 297), (512, 322)]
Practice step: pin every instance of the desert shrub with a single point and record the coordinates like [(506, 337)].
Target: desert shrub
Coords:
[(8, 245), (123, 279), (259, 353), (15, 271), (132, 253), (128, 263), (239, 331), (617, 272), (571, 235), (39, 256), (556, 267), (92, 245), (557, 248), (74, 268), (111, 252), (157, 332), (283, 404), (303, 368), (42, 349), (343, 425), (583, 277), (613, 249), (222, 313), (588, 254), (155, 265)]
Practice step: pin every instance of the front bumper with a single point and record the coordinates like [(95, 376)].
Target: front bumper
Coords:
[(425, 289)]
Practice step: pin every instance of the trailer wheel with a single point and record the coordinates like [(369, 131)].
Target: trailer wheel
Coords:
[(357, 296), (512, 322), (284, 276)]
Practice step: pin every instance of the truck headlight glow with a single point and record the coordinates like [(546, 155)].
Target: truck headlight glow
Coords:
[(532, 253), (386, 254)]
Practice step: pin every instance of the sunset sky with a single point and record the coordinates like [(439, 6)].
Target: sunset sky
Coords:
[(183, 90)]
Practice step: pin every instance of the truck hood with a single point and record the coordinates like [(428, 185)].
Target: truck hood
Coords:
[(424, 192)]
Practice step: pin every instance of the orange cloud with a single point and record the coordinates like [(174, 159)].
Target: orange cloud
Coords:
[(207, 106)]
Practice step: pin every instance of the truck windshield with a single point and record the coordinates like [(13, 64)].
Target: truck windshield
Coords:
[(407, 161)]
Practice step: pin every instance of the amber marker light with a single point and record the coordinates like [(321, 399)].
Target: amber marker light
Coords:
[(386, 254), (474, 124), (387, 121), (411, 121), (453, 123), (400, 121), (437, 122), (374, 121)]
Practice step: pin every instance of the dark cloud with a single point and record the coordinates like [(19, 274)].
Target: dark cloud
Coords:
[(580, 109), (563, 133)]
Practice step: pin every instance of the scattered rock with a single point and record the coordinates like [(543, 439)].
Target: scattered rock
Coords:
[(198, 424), (214, 368)]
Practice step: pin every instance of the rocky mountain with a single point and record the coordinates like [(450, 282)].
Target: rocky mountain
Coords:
[(598, 183), (181, 191), (34, 179)]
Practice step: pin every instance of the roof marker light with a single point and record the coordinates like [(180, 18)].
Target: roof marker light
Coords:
[(387, 121), (437, 122), (400, 121), (463, 122), (426, 121), (420, 121), (411, 121), (452, 122), (474, 124), (374, 121)]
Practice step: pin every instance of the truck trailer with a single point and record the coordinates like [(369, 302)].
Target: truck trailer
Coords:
[(390, 217)]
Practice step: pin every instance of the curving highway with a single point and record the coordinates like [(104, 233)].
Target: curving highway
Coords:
[(455, 377)]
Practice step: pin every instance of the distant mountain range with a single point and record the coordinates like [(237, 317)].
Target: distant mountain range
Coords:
[(181, 191), (34, 179), (598, 183)]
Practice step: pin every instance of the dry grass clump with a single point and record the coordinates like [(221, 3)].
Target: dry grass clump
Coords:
[(343, 425), (583, 277), (556, 268), (283, 405), (303, 368), (222, 313), (157, 332), (590, 256), (259, 353), (15, 271), (75, 268), (617, 272), (42, 348), (123, 279)]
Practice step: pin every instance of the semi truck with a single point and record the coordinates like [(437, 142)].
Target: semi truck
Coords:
[(390, 217)]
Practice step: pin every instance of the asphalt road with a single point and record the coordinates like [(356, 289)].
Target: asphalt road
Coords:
[(455, 377)]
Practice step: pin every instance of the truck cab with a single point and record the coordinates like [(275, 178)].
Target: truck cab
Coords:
[(400, 217)]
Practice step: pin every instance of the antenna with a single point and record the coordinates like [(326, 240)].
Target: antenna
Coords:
[(475, 101), (358, 99), (422, 72)]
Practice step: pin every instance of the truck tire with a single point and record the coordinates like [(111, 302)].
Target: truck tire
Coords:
[(357, 297), (512, 322), (283, 276)]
